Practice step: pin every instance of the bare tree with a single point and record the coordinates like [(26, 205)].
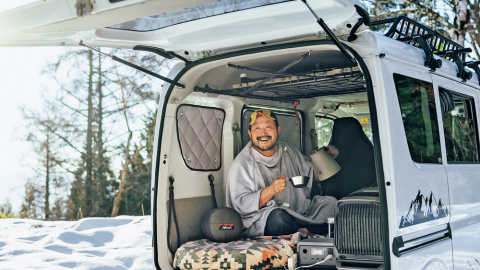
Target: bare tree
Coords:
[(105, 98), (133, 94), (49, 135)]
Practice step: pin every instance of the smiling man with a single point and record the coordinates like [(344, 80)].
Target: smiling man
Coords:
[(258, 186)]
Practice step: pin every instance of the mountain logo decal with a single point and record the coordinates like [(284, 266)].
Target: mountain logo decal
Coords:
[(423, 209)]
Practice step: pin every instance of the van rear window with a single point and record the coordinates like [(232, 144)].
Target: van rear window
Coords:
[(159, 21), (460, 130), (417, 105)]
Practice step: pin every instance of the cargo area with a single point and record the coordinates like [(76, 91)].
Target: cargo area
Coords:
[(320, 98)]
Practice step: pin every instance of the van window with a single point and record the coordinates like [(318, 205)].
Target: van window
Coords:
[(163, 20), (417, 105), (460, 130), (324, 127)]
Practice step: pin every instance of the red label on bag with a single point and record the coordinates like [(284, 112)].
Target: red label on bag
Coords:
[(226, 226)]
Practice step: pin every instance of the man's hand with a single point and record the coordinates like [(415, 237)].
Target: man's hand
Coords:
[(277, 187), (279, 184), (332, 150)]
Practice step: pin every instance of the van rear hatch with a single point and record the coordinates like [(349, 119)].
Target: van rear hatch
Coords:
[(191, 28)]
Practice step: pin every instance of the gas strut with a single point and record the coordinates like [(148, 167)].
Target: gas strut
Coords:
[(114, 58), (331, 35)]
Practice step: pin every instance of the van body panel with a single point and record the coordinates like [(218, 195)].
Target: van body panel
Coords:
[(374, 63), (435, 257), (215, 35), (410, 177), (464, 183), (384, 133), (63, 22), (159, 170), (233, 31), (407, 177)]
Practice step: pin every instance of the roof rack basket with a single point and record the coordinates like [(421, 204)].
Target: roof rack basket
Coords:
[(405, 29)]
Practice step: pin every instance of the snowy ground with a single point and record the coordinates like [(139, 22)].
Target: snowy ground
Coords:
[(119, 243)]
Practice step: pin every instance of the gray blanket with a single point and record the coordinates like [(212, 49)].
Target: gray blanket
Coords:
[(248, 176)]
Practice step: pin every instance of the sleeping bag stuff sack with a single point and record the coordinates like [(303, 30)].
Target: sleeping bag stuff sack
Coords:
[(222, 224)]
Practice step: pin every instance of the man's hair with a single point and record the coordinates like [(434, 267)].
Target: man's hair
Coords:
[(272, 114)]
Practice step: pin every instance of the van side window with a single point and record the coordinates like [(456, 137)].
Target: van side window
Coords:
[(323, 128), (460, 130), (417, 105)]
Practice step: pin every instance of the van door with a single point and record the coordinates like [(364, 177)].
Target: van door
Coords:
[(459, 136), (417, 188), (192, 29)]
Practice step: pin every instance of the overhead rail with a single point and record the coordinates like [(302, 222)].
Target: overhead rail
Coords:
[(288, 88)]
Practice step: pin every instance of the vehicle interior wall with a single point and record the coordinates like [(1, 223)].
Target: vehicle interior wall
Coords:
[(338, 91)]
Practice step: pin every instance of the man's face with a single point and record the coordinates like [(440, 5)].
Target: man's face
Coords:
[(264, 133)]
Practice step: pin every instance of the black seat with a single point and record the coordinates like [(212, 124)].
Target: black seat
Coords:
[(356, 159)]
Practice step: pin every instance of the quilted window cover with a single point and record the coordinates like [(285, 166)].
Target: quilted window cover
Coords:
[(264, 252), (199, 131)]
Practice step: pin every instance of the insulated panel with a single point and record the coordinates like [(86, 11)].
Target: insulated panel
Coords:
[(200, 136)]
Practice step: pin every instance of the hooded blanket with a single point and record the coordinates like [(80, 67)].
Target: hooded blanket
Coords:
[(248, 176)]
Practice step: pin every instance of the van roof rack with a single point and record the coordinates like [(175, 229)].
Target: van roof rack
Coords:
[(431, 42), (406, 29)]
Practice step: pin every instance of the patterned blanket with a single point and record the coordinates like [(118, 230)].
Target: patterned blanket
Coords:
[(264, 252)]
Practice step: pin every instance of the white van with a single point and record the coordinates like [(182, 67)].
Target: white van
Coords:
[(418, 110)]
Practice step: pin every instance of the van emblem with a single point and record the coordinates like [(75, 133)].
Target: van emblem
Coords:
[(226, 226), (424, 209)]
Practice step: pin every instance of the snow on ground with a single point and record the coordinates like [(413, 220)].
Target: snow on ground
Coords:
[(124, 242)]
